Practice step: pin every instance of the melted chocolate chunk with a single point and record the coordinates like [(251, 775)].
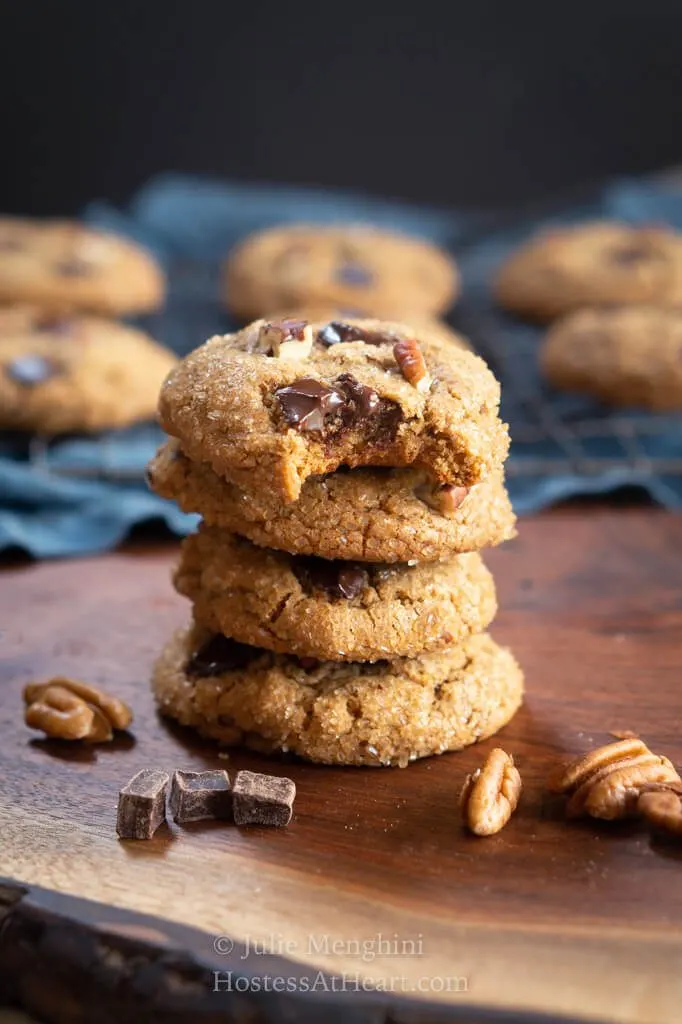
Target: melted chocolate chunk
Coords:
[(307, 402), (339, 580), (220, 654), (354, 274), (30, 370), (364, 405), (337, 331), (73, 267), (633, 253), (291, 328)]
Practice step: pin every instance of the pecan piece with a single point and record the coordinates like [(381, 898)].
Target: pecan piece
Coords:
[(617, 795), (571, 776), (661, 804), (75, 703), (286, 339), (410, 359), (577, 805), (490, 795)]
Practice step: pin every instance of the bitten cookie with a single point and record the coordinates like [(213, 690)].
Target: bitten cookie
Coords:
[(279, 402), (335, 611), (594, 264), (354, 268), (372, 515), (626, 356), (75, 373), (62, 265), (385, 713)]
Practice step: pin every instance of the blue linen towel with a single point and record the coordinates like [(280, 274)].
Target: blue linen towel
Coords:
[(82, 495)]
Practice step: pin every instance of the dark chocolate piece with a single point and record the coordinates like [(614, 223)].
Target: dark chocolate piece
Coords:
[(354, 274), (198, 795), (338, 579), (362, 401), (142, 804), (220, 654), (307, 402), (290, 328), (337, 331), (73, 267), (30, 370), (633, 253), (262, 799)]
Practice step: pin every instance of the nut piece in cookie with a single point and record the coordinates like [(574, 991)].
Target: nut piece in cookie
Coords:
[(491, 794), (286, 339), (266, 423)]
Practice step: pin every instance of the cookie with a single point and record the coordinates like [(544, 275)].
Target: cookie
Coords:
[(431, 330), (595, 264), (276, 403), (334, 611), (62, 265), (75, 373), (371, 515), (359, 269), (374, 714), (626, 356)]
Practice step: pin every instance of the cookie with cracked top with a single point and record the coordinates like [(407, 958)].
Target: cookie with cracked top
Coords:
[(602, 263), (332, 610), (372, 714), (369, 271), (63, 265), (281, 401), (371, 515), (76, 373), (628, 356)]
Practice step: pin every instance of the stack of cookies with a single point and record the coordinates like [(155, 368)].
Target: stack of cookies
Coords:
[(347, 473)]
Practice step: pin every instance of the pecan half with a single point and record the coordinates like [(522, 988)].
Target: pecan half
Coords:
[(571, 776), (410, 359), (286, 339), (617, 795), (490, 795), (69, 709), (661, 804)]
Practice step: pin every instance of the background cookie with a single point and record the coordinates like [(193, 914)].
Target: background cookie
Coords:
[(626, 356), (600, 263), (75, 373), (354, 268), (62, 265), (343, 398), (333, 713), (336, 611), (370, 515)]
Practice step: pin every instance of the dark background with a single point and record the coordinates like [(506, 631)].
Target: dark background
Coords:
[(470, 104)]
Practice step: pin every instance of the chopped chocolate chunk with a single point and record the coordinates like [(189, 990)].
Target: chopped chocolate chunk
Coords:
[(286, 339), (196, 796), (354, 274), (142, 804), (262, 799), (338, 579), (362, 401), (220, 654), (307, 402), (291, 328), (337, 331), (30, 370)]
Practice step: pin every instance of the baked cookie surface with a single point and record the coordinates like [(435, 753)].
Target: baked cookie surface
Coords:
[(628, 356), (595, 264), (279, 402), (75, 373), (367, 271), (64, 265), (385, 713), (335, 611), (371, 515)]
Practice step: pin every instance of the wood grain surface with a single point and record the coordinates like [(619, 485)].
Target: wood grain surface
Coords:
[(580, 920)]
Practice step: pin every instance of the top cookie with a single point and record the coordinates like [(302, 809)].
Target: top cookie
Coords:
[(279, 402), (62, 265), (75, 373), (626, 356), (595, 264), (359, 269)]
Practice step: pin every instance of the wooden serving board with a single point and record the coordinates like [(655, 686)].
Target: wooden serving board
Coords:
[(576, 920)]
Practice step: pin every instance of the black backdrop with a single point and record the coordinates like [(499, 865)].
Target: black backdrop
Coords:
[(478, 103)]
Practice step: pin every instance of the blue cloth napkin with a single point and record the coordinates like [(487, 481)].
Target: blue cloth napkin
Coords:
[(82, 495)]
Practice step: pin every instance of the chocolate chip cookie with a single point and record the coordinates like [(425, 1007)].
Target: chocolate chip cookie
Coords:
[(62, 265), (75, 373), (335, 611), (625, 356), (354, 268), (374, 714), (595, 264), (376, 515), (281, 401)]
